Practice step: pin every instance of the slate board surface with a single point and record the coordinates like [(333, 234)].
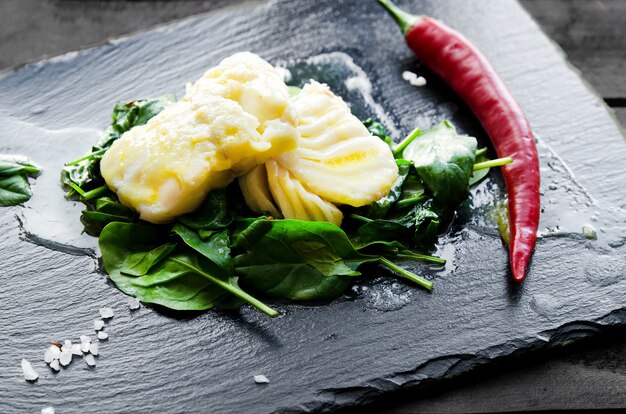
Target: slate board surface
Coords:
[(345, 353)]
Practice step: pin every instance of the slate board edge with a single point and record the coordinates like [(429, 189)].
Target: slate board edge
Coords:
[(331, 399), (454, 365), (112, 41)]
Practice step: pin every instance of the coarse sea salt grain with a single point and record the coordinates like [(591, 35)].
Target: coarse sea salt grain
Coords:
[(55, 352), (55, 365), (47, 410), (67, 345), (47, 356), (93, 349), (66, 358), (102, 335), (90, 360), (106, 313), (84, 339), (413, 79), (98, 324), (261, 379), (29, 372), (76, 349), (133, 303)]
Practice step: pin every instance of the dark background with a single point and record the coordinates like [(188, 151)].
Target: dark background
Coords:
[(587, 375)]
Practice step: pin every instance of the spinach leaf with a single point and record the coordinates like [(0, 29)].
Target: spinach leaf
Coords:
[(16, 165), (84, 173), (213, 214), (296, 260), (383, 231), (378, 130), (106, 210), (14, 190), (14, 187), (140, 263), (478, 175), (444, 161), (215, 247), (428, 218), (179, 279), (379, 208), (413, 191)]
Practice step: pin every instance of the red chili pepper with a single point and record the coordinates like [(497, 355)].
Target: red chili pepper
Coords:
[(460, 64)]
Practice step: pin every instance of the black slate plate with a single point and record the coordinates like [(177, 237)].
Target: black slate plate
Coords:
[(347, 352)]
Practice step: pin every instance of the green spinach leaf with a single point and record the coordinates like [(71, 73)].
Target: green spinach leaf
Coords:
[(14, 187), (178, 279), (213, 214), (444, 161), (16, 165), (380, 208), (478, 175), (378, 130), (296, 260), (140, 263), (14, 190), (215, 247)]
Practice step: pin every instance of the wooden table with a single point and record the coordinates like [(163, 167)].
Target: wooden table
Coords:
[(588, 375)]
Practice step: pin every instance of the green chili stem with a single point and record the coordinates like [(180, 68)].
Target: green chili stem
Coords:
[(481, 151), (498, 162), (425, 283), (404, 19), (230, 288), (424, 257), (96, 192), (357, 217), (87, 157), (406, 141), (410, 201)]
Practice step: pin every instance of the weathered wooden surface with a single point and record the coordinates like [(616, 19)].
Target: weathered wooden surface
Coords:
[(516, 400)]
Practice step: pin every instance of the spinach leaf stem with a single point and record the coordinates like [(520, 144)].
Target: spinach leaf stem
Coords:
[(425, 283)]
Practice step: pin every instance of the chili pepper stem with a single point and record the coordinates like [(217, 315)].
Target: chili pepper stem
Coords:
[(405, 20)]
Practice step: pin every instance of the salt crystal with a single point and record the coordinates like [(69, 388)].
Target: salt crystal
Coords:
[(90, 360), (261, 379), (93, 349), (47, 356), (55, 352), (408, 76), (76, 349), (98, 324), (413, 79), (102, 335), (106, 313), (84, 339), (29, 372), (66, 358), (55, 365), (133, 303), (67, 345), (420, 81), (84, 347), (47, 410)]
